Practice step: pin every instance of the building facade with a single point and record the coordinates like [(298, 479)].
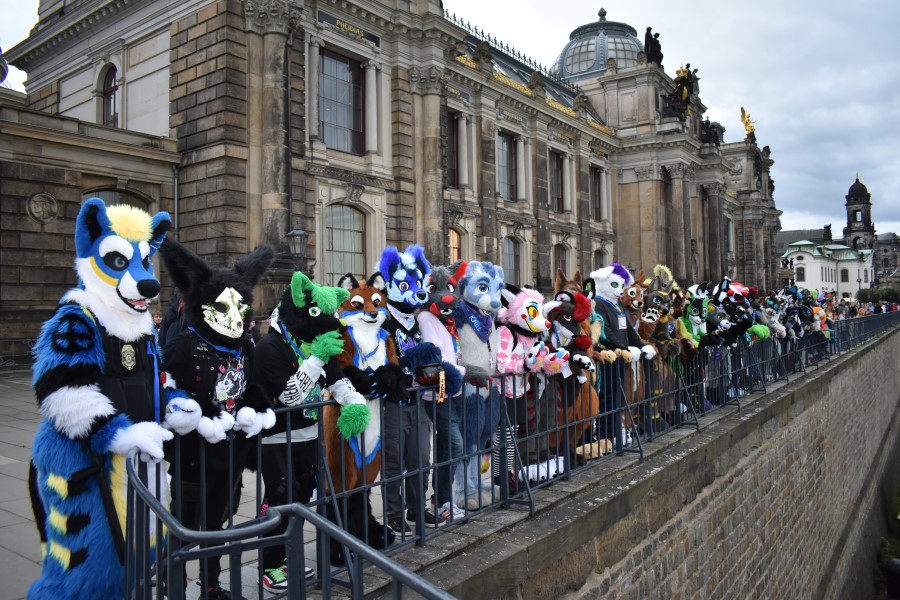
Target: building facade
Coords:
[(353, 125)]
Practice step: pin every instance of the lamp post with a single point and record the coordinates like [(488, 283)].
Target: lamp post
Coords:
[(297, 239)]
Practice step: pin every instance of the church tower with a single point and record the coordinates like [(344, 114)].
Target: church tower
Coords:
[(859, 232)]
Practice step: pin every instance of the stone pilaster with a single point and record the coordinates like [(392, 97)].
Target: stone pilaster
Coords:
[(430, 82), (680, 251)]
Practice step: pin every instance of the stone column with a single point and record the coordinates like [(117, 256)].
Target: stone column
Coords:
[(371, 108), (716, 250), (312, 85), (429, 82), (689, 243), (462, 151), (520, 168), (676, 227), (573, 184), (567, 183), (274, 23), (606, 199)]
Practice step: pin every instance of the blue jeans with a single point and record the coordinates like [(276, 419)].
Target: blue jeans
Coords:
[(447, 417), (482, 415)]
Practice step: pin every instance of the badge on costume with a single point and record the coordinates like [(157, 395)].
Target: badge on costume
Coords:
[(622, 322), (128, 358)]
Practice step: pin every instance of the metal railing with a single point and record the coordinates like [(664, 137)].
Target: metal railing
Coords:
[(534, 430)]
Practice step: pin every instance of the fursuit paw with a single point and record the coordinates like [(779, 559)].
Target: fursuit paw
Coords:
[(635, 353), (389, 383), (327, 344), (648, 351), (146, 436), (182, 415), (251, 422), (353, 420), (211, 430)]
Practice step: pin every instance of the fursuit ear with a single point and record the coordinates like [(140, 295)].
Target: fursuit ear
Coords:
[(300, 285), (376, 280), (161, 223), (590, 288), (251, 268), (508, 295), (390, 258), (186, 268), (348, 282), (560, 280), (459, 270), (418, 254), (577, 275), (92, 221)]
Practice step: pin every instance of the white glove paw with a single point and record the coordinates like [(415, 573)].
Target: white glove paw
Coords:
[(251, 422), (649, 351), (226, 420), (146, 436), (635, 353), (182, 415), (211, 430)]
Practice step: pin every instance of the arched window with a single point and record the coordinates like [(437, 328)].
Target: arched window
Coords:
[(511, 261), (560, 258), (598, 259), (801, 274), (112, 196), (345, 242), (110, 98), (455, 246)]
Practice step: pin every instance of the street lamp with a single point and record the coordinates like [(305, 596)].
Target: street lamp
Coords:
[(297, 239)]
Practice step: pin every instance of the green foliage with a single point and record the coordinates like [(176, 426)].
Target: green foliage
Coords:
[(876, 294), (890, 295)]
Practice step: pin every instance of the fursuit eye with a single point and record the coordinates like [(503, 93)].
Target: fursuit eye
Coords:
[(357, 304), (315, 311), (483, 288), (632, 292), (532, 312), (567, 317), (430, 288), (146, 262), (614, 284), (404, 286), (116, 261), (451, 287), (220, 307)]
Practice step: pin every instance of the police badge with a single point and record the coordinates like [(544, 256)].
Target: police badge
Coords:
[(128, 358)]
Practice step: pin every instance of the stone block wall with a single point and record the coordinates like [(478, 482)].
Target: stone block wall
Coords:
[(781, 499)]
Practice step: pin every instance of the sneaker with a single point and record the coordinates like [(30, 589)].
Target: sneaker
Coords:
[(217, 593), (275, 580), (456, 513), (431, 520), (399, 526)]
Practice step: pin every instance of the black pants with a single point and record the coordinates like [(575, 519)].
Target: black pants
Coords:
[(277, 479)]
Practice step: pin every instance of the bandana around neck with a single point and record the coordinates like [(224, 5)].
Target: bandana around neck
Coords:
[(480, 323)]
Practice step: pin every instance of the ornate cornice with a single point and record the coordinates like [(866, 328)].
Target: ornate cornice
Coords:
[(428, 80), (678, 170), (647, 173), (86, 25), (350, 177), (271, 16)]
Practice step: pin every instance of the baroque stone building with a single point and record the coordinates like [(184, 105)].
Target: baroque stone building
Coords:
[(354, 125)]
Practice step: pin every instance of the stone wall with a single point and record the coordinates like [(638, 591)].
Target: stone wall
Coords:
[(778, 500)]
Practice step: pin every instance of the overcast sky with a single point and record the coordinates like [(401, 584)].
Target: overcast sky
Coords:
[(820, 78)]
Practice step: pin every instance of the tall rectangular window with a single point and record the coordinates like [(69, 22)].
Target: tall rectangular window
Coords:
[(345, 242), (557, 199), (506, 166), (455, 246), (596, 194), (512, 266), (452, 151), (341, 118)]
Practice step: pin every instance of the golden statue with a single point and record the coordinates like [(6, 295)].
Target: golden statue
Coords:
[(749, 127)]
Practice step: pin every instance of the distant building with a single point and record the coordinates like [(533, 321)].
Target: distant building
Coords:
[(353, 125), (830, 268)]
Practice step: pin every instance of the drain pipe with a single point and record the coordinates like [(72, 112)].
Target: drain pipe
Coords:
[(175, 175)]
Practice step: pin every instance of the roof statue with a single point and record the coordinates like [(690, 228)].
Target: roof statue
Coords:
[(749, 127)]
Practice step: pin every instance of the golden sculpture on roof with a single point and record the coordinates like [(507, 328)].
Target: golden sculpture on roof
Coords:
[(749, 127)]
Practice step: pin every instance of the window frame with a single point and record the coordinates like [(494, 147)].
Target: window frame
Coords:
[(556, 187), (512, 260), (453, 149), (454, 252), (356, 140), (109, 97), (506, 166), (800, 274), (596, 192), (336, 263), (560, 258)]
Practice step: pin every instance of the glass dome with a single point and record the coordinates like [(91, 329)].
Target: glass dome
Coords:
[(592, 45)]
